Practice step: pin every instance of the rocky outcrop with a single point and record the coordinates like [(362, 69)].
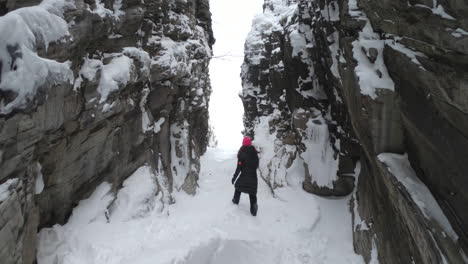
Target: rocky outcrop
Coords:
[(389, 81), (90, 92), (283, 95)]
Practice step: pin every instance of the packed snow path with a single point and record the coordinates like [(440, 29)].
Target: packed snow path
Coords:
[(291, 227)]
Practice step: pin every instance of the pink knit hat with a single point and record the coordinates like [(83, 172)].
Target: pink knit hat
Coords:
[(246, 141)]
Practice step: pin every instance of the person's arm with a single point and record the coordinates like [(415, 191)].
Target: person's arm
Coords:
[(240, 161)]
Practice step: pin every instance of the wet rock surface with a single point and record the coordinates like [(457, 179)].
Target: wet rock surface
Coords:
[(137, 93), (385, 77)]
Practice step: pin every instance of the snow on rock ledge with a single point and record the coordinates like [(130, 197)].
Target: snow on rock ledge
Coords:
[(22, 71), (5, 189), (400, 167)]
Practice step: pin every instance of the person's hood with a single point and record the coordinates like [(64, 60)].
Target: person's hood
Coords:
[(246, 141)]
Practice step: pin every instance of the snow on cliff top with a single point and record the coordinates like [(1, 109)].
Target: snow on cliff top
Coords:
[(22, 71), (264, 24)]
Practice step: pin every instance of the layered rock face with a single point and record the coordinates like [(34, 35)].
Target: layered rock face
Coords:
[(89, 92), (283, 96), (375, 89)]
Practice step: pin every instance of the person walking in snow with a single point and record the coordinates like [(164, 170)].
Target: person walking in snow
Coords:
[(246, 182)]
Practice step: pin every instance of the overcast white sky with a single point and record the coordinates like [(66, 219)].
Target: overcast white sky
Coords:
[(231, 24)]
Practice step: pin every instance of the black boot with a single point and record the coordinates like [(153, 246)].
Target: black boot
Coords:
[(254, 209)]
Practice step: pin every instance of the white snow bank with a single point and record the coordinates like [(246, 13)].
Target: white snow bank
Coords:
[(233, 251), (22, 70), (56, 243), (137, 196), (93, 209), (115, 74), (400, 167), (5, 189)]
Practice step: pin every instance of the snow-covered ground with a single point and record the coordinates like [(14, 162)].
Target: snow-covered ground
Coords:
[(291, 227)]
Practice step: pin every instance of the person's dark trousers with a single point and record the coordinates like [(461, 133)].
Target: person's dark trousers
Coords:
[(236, 197), (253, 201), (253, 204)]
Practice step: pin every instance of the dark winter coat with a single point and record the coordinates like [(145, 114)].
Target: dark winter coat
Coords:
[(247, 165)]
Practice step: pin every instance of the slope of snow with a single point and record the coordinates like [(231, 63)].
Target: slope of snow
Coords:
[(136, 198), (292, 227)]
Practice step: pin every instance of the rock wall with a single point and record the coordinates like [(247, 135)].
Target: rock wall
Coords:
[(388, 79), (283, 95), (89, 92)]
